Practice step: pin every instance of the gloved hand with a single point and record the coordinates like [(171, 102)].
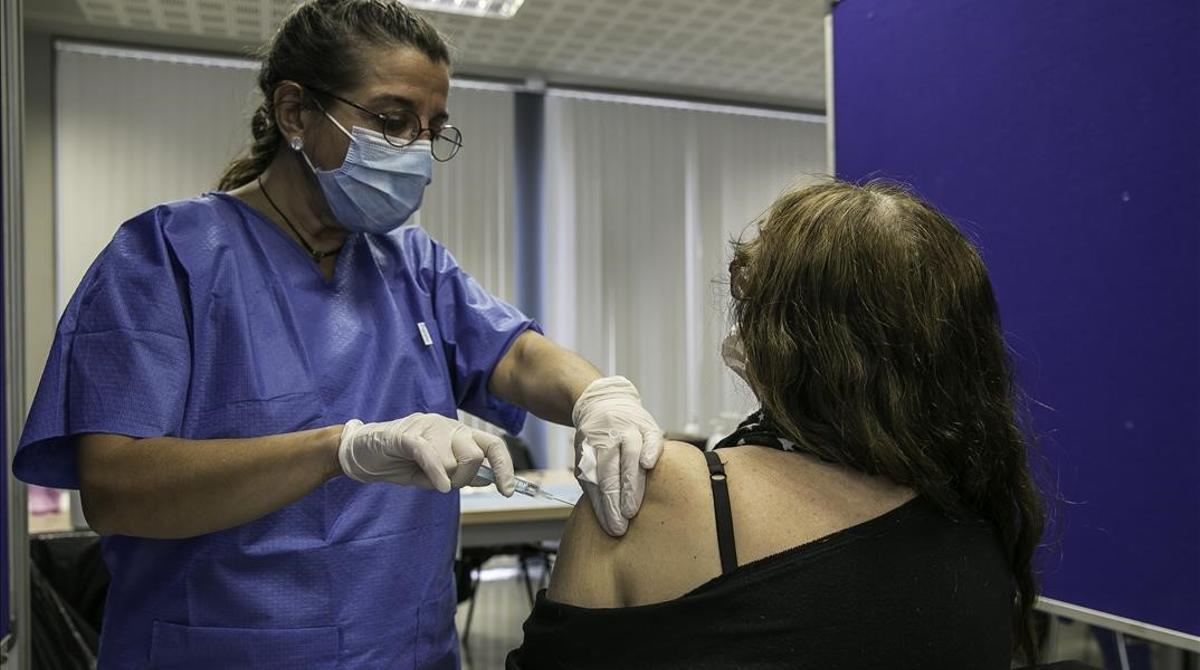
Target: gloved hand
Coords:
[(426, 450), (616, 441)]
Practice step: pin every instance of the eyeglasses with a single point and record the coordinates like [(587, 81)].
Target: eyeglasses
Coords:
[(404, 127)]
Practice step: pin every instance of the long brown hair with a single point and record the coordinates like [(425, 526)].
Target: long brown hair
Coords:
[(323, 43), (873, 339)]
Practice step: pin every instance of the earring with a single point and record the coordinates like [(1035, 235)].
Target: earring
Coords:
[(297, 143)]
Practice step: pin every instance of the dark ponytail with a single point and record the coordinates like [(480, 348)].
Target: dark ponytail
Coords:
[(266, 139), (320, 44)]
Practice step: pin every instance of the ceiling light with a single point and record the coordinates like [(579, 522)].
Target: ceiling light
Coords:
[(494, 9)]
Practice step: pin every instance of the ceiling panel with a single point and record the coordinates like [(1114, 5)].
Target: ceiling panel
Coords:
[(736, 49)]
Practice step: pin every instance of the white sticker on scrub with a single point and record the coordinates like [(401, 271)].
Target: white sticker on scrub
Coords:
[(425, 334)]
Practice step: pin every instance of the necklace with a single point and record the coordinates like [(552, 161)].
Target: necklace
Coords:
[(317, 256)]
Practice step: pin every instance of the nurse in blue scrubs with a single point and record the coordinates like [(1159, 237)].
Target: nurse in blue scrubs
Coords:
[(255, 389)]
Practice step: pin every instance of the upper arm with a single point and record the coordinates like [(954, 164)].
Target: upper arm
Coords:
[(670, 547), (503, 382), (584, 572)]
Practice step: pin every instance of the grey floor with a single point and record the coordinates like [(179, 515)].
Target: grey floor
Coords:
[(502, 603), (1076, 641)]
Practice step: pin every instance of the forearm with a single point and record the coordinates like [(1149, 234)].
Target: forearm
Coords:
[(542, 377), (173, 488), (614, 429)]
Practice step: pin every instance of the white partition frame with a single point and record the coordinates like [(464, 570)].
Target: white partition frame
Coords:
[(15, 648)]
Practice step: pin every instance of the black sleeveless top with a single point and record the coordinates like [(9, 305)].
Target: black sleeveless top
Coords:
[(908, 589)]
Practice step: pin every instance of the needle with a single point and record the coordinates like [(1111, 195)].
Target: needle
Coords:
[(524, 486)]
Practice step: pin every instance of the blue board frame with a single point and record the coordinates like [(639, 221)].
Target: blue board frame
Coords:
[(1065, 138)]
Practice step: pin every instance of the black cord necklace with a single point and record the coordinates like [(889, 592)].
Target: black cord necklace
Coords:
[(317, 256)]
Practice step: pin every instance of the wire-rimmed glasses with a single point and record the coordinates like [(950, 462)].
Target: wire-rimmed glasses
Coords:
[(402, 128)]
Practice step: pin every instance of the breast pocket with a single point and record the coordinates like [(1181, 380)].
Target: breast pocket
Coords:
[(437, 638), (178, 647)]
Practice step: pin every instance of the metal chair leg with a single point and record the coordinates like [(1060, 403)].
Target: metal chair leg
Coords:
[(525, 576), (1050, 642), (1122, 651), (544, 579), (476, 581)]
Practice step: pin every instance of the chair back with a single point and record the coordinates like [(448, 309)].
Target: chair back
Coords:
[(518, 449)]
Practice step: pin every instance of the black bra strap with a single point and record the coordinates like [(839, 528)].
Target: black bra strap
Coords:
[(725, 542)]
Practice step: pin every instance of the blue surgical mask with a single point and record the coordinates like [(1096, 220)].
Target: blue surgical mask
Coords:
[(378, 186)]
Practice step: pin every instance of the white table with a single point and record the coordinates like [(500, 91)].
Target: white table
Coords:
[(490, 519)]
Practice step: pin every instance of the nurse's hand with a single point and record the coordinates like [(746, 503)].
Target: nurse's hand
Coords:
[(616, 441), (426, 450)]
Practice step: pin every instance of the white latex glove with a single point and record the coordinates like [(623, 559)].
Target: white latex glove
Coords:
[(426, 450), (616, 441)]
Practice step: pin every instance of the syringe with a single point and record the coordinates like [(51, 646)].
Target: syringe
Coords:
[(524, 486)]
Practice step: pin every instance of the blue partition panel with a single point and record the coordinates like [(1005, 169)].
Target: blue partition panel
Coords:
[(1065, 138)]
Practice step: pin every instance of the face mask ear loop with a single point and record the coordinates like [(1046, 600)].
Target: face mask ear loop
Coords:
[(299, 147), (340, 126), (300, 150), (335, 121)]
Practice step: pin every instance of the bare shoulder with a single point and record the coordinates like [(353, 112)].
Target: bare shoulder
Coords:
[(667, 551), (583, 571), (779, 500)]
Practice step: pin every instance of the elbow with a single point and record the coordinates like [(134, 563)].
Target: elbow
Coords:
[(99, 509), (100, 490), (107, 511), (114, 500)]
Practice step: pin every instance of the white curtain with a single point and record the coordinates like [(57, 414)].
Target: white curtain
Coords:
[(134, 128), (469, 205), (642, 198)]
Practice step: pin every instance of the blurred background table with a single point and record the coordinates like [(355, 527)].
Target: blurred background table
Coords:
[(490, 519)]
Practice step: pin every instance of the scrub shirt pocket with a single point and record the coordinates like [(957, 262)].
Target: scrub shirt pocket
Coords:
[(429, 370), (437, 637), (175, 646)]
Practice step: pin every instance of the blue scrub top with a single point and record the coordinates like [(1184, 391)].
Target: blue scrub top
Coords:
[(202, 319)]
